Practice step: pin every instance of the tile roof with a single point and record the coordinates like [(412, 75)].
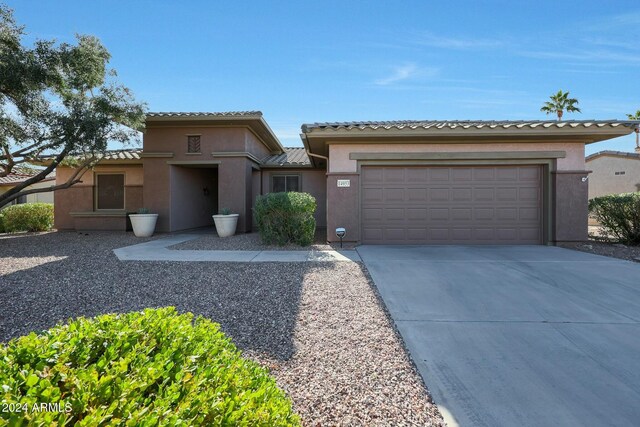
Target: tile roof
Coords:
[(17, 178), (292, 156), (613, 153), (122, 154), (197, 114), (467, 124)]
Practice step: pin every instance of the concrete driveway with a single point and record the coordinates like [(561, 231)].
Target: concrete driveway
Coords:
[(517, 335)]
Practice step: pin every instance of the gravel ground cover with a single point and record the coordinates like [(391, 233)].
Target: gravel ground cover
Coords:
[(614, 250), (251, 242), (319, 327)]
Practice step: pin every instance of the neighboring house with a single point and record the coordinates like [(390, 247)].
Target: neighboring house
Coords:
[(405, 182), (613, 172), (13, 179)]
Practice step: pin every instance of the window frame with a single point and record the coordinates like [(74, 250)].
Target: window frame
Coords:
[(285, 175), (95, 191)]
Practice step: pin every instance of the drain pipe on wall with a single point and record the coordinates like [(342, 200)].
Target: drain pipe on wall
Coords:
[(305, 140)]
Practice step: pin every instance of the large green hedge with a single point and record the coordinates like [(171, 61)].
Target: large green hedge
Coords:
[(151, 368), (27, 217), (286, 217), (619, 216)]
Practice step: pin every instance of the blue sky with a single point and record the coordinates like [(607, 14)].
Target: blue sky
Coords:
[(304, 61)]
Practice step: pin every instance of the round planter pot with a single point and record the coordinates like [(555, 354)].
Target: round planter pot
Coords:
[(143, 224), (226, 224)]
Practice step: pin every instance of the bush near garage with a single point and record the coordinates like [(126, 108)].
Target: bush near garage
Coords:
[(150, 368), (619, 216), (286, 218), (1, 222), (28, 217)]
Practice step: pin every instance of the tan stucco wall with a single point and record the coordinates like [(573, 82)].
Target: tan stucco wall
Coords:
[(80, 197), (339, 161), (236, 188), (313, 181), (212, 139), (603, 179)]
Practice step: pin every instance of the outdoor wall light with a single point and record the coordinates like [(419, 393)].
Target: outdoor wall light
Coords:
[(341, 232), (585, 178)]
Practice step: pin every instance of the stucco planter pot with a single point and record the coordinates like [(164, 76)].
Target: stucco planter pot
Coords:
[(143, 224), (226, 224)]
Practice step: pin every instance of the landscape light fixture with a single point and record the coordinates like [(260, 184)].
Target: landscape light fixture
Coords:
[(341, 232)]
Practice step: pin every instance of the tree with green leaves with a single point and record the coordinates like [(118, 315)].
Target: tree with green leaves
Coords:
[(58, 101), (560, 102), (635, 116)]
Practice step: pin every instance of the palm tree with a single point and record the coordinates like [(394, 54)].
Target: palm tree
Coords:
[(560, 102), (635, 116)]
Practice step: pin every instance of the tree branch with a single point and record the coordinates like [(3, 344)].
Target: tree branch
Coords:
[(6, 198)]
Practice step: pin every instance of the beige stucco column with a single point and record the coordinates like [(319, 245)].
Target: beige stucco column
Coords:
[(235, 189)]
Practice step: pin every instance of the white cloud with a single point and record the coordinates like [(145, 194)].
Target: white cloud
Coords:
[(460, 43), (406, 72)]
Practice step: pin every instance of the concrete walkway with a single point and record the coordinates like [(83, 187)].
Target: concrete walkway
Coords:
[(158, 250), (517, 335)]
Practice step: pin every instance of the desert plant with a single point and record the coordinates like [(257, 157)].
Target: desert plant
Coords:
[(560, 102), (28, 217), (286, 217), (225, 211), (619, 216), (154, 367), (143, 211)]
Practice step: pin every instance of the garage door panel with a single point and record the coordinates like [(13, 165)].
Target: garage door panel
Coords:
[(372, 214), (394, 214), (484, 194), (461, 174), (452, 205), (507, 174), (484, 174), (372, 175), (438, 194), (507, 194), (461, 194), (372, 195), (394, 195), (392, 175)]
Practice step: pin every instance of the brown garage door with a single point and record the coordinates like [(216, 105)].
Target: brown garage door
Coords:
[(452, 205)]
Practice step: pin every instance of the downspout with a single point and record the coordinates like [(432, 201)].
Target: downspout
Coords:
[(310, 154)]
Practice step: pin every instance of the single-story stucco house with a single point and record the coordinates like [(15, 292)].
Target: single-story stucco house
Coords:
[(13, 179), (400, 182), (613, 172)]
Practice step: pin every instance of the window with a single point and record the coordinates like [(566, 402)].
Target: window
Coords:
[(193, 143), (110, 191), (620, 173), (280, 183)]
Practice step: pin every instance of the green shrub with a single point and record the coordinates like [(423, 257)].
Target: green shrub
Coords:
[(619, 216), (28, 217), (286, 217), (1, 221), (151, 368)]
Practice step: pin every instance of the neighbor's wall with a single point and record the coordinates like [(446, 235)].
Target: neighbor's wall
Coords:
[(313, 181), (46, 197), (604, 181), (569, 193), (80, 198)]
